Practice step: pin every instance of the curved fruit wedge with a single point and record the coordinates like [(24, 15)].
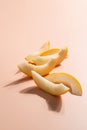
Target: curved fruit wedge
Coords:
[(50, 52), (40, 60), (47, 86), (45, 47), (41, 69), (68, 80)]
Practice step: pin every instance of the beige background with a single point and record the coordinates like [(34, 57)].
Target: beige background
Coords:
[(24, 26)]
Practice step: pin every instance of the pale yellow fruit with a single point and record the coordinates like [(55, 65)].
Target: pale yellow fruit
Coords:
[(39, 60), (45, 47), (43, 70), (47, 86), (50, 52), (68, 80)]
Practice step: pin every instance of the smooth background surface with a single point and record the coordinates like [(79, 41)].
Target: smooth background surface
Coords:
[(24, 26)]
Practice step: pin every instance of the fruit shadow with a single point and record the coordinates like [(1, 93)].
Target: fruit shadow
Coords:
[(54, 102), (18, 81)]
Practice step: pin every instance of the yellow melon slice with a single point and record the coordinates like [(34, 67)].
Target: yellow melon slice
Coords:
[(68, 80), (45, 47), (39, 60), (43, 70), (49, 87)]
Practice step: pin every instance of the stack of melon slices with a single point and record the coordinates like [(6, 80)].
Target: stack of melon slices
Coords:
[(40, 63)]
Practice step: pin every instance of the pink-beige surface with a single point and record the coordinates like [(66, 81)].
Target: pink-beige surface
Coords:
[(24, 27)]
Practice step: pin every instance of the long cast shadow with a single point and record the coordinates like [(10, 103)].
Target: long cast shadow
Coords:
[(18, 81), (54, 102)]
